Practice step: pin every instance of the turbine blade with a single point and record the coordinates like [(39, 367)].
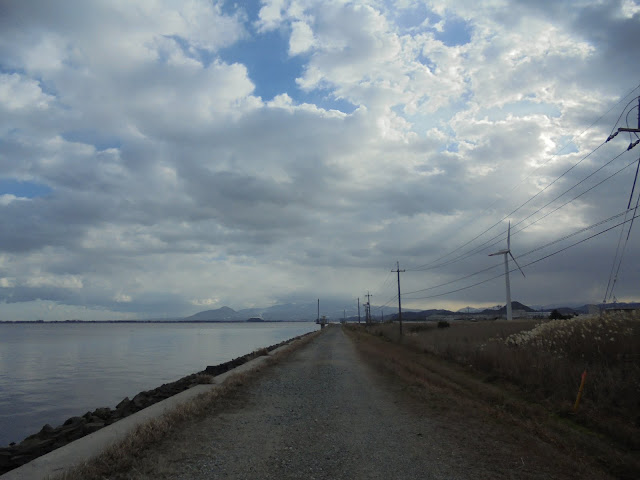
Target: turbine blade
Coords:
[(514, 260), (509, 237)]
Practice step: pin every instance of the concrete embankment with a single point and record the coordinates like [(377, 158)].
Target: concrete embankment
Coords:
[(81, 450)]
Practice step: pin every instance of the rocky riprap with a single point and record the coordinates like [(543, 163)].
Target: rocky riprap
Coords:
[(50, 438)]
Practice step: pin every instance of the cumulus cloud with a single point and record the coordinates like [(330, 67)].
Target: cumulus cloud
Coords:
[(398, 133)]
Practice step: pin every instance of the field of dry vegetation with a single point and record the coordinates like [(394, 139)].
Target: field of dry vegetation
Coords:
[(542, 362)]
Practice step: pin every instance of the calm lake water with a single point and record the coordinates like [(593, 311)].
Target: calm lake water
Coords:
[(50, 372)]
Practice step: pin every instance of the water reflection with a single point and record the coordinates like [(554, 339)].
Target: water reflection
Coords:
[(50, 372)]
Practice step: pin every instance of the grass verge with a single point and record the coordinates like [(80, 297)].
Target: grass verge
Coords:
[(467, 366)]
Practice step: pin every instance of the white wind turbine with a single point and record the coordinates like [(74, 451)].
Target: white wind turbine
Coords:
[(506, 254)]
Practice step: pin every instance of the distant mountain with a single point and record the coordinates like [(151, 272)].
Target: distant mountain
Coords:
[(503, 309), (567, 311), (219, 314), (418, 315), (292, 312), (334, 311), (569, 308), (606, 306), (469, 310), (495, 307)]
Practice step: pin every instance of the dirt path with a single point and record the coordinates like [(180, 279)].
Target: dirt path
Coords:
[(324, 414)]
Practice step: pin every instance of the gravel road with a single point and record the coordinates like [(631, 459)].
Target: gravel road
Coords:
[(324, 414)]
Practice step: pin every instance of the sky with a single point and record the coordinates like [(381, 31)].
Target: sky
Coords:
[(159, 158)]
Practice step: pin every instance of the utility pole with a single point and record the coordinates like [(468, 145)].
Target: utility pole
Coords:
[(368, 310), (358, 309), (397, 270), (381, 315), (609, 293), (630, 130)]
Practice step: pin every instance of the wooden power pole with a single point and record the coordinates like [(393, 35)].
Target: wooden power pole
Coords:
[(397, 270)]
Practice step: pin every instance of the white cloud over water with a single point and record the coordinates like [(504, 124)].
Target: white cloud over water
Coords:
[(145, 172)]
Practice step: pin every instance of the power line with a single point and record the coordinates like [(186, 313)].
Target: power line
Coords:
[(585, 229), (386, 280), (613, 279), (525, 265), (388, 302), (568, 201), (612, 134), (487, 243), (613, 266), (429, 265)]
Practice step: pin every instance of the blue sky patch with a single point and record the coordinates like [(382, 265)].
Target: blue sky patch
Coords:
[(323, 99), (23, 189), (91, 137), (412, 18), (456, 32), (273, 71), (566, 145), (10, 71), (250, 7), (270, 67), (427, 62)]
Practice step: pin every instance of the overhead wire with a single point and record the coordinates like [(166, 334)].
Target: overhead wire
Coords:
[(527, 264), (574, 198), (388, 302), (384, 283), (622, 112), (429, 264), (566, 237), (487, 243), (613, 279), (382, 286), (613, 266)]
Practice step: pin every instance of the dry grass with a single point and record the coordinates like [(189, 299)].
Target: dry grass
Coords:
[(119, 460), (539, 362)]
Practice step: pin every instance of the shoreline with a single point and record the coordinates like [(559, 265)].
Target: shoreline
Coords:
[(175, 320), (49, 439)]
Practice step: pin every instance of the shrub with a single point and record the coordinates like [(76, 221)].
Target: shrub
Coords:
[(546, 359)]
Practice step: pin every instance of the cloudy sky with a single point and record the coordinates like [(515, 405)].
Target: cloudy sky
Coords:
[(159, 158)]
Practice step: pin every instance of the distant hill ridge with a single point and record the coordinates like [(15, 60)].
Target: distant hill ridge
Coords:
[(222, 313), (282, 312), (335, 311)]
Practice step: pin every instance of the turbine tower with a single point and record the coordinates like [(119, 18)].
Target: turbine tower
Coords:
[(507, 253)]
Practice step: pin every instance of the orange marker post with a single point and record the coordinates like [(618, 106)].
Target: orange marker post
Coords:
[(580, 390)]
